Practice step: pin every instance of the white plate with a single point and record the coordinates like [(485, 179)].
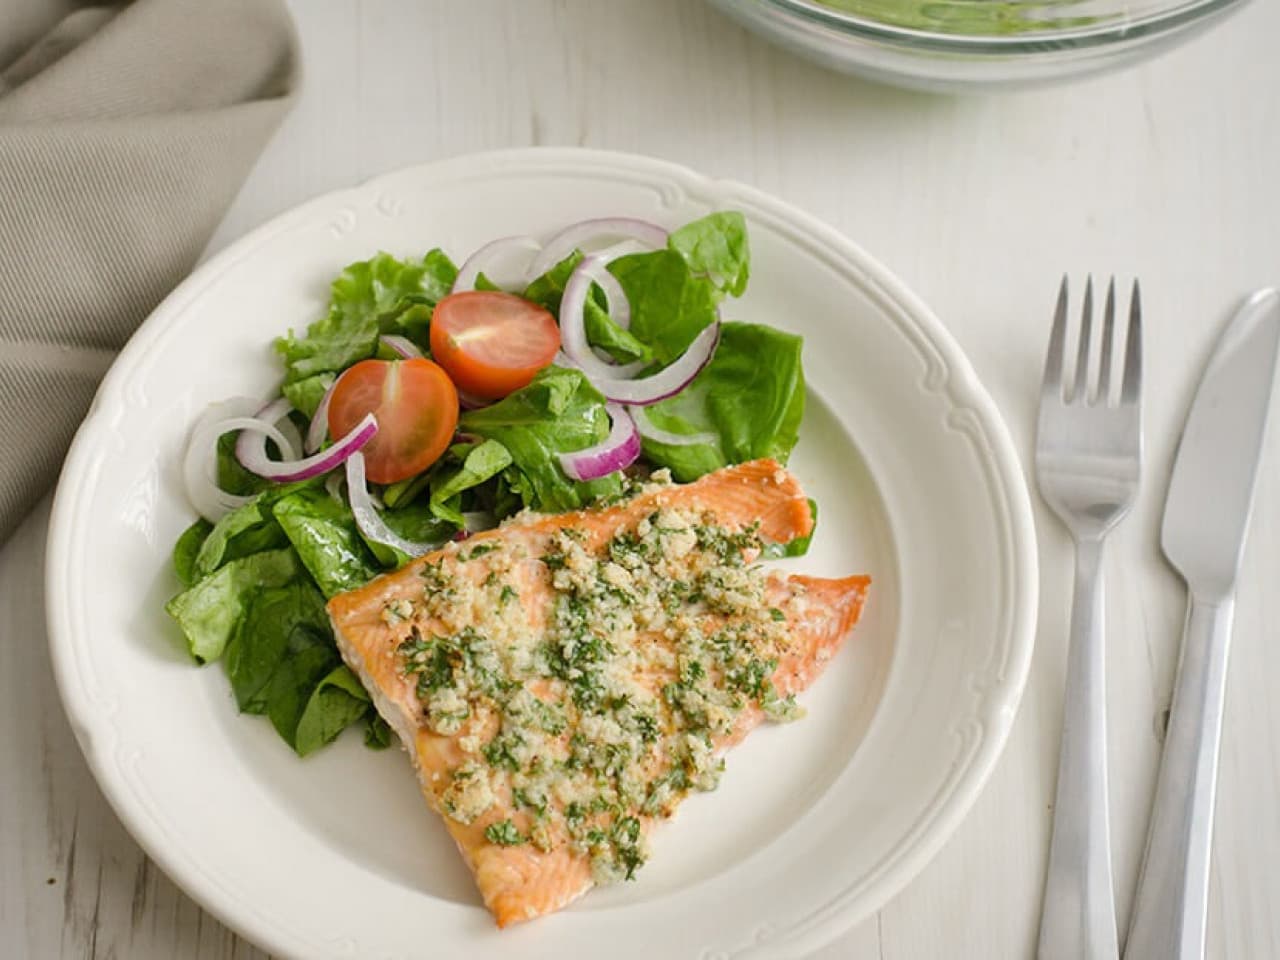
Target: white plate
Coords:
[(815, 824)]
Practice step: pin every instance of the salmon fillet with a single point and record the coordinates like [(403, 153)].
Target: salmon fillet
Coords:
[(562, 682)]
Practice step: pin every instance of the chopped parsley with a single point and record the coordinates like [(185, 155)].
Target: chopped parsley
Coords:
[(431, 659), (500, 751), (504, 834), (526, 798)]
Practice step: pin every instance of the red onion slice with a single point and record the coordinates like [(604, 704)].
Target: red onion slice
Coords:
[(615, 298), (573, 327), (578, 236), (292, 435), (252, 453), (268, 417), (491, 257), (333, 487), (651, 431), (200, 462), (318, 429), (668, 381), (402, 346), (617, 451), (367, 518)]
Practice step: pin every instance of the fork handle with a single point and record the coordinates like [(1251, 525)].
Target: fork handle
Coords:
[(1172, 902), (1078, 920)]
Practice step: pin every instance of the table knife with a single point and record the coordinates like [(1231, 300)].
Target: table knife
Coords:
[(1205, 519)]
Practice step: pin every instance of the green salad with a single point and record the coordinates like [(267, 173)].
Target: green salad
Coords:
[(430, 401), (970, 17)]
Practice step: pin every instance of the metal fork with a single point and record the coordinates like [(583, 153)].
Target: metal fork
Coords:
[(1088, 459)]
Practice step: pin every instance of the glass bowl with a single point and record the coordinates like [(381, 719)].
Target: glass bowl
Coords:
[(976, 44)]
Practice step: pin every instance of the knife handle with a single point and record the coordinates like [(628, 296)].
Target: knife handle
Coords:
[(1172, 902), (1078, 919)]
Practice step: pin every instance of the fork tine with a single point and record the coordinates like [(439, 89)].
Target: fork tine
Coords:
[(1131, 388), (1054, 361), (1103, 395), (1082, 352)]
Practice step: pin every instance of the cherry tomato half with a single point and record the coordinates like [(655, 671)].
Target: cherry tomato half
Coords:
[(492, 343), (416, 406)]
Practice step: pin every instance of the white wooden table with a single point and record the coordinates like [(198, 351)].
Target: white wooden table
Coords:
[(1168, 172)]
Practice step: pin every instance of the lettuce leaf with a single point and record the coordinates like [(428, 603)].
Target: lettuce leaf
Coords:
[(371, 297), (245, 530), (187, 549), (305, 395)]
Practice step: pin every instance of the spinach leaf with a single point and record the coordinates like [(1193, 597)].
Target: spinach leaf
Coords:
[(186, 550), (377, 732), (417, 522), (232, 477), (751, 396), (369, 298), (504, 500), (548, 289), (602, 332), (403, 492), (324, 533), (292, 685), (558, 412), (278, 621), (482, 462), (716, 247), (669, 304), (337, 702), (210, 611)]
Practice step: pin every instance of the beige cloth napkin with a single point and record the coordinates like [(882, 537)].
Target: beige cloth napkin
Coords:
[(125, 132)]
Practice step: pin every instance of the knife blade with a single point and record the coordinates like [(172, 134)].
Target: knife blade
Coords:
[(1211, 491), (1206, 517)]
